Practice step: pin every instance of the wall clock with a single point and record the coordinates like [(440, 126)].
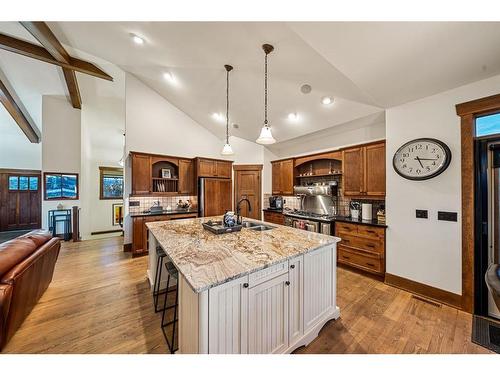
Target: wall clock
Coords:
[(421, 159)]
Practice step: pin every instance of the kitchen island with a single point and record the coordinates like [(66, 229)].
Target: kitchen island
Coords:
[(252, 291)]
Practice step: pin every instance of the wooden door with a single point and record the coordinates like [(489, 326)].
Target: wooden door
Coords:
[(141, 174), (353, 169), (374, 172), (206, 168), (287, 177), (228, 317), (223, 169), (268, 316), (186, 177), (276, 177), (20, 199), (296, 298), (247, 180), (217, 196)]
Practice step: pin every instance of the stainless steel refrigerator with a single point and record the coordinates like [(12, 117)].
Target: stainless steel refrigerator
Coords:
[(494, 216), (214, 196)]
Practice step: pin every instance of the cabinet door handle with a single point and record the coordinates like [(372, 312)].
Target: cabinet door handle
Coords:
[(287, 283), (370, 245), (245, 285), (370, 264), (292, 266), (345, 257)]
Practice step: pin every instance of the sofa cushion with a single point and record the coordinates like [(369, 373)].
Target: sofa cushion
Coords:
[(39, 236), (15, 251)]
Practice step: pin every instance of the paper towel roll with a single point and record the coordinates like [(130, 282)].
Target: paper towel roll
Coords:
[(366, 211)]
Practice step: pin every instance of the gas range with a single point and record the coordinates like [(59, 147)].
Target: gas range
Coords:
[(308, 215)]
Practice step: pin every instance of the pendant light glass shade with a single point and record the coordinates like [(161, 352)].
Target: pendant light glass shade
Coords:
[(227, 150), (265, 137)]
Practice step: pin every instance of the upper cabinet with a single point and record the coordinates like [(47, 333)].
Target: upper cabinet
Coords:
[(141, 174), (282, 177), (161, 175), (364, 170), (214, 168)]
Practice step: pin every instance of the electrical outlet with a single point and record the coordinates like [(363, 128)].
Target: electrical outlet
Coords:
[(134, 203), (447, 216), (422, 214)]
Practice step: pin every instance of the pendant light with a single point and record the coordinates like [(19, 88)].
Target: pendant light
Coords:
[(266, 137), (227, 149)]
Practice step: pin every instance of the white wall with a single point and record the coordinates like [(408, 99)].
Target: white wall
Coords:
[(362, 130), (154, 125), (61, 139), (428, 251)]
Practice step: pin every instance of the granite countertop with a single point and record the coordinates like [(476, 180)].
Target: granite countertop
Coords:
[(346, 219), (207, 260), (164, 212), (278, 210)]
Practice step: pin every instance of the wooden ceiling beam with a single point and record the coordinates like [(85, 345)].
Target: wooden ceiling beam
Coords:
[(14, 108), (37, 52), (48, 40)]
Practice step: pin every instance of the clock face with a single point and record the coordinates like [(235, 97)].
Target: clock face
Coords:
[(421, 159)]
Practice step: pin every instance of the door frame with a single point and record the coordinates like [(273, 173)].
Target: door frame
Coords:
[(468, 111), (248, 167), (19, 172)]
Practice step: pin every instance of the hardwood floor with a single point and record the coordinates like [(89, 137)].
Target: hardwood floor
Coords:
[(99, 302)]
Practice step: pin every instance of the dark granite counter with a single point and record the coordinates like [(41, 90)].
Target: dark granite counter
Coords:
[(279, 211), (346, 219), (164, 212)]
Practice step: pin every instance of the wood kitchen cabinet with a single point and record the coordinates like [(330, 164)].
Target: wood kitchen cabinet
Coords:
[(214, 168), (282, 177), (274, 217), (364, 170), (140, 233), (141, 174), (186, 177), (362, 247)]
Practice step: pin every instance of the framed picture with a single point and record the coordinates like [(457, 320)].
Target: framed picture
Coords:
[(165, 173), (117, 213)]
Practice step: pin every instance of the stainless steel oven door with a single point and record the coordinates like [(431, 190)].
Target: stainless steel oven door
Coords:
[(326, 228), (308, 225)]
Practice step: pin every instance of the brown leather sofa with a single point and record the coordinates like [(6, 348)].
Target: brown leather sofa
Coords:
[(26, 267)]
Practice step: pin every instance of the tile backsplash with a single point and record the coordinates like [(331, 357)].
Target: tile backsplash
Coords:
[(146, 202)]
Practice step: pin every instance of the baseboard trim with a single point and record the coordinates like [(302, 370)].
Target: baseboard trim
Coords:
[(127, 247), (106, 231), (427, 291)]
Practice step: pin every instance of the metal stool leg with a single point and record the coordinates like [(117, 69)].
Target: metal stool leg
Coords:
[(175, 317), (165, 304), (158, 283)]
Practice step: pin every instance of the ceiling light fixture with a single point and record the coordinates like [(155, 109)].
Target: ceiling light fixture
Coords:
[(137, 39), (227, 149), (169, 77), (218, 116), (266, 137), (326, 100), (293, 116)]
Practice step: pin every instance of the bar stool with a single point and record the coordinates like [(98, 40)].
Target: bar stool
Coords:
[(172, 272), (160, 256)]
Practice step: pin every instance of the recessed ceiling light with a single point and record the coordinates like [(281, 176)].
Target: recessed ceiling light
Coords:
[(326, 100), (169, 77), (137, 39), (219, 117), (293, 116)]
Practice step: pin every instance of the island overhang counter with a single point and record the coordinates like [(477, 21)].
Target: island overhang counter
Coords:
[(250, 291)]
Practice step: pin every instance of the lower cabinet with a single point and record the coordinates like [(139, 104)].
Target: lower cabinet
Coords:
[(274, 217), (274, 310)]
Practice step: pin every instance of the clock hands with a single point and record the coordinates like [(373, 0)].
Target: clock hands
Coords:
[(417, 158), (425, 159)]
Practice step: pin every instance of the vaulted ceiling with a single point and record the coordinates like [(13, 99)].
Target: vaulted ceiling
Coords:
[(365, 66)]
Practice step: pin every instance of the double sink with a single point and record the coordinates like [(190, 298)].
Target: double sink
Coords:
[(256, 226)]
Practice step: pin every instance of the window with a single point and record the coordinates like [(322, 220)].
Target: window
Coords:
[(23, 183), (110, 183), (61, 186), (488, 125)]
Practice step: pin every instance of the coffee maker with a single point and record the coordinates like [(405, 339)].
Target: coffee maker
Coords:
[(276, 202)]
